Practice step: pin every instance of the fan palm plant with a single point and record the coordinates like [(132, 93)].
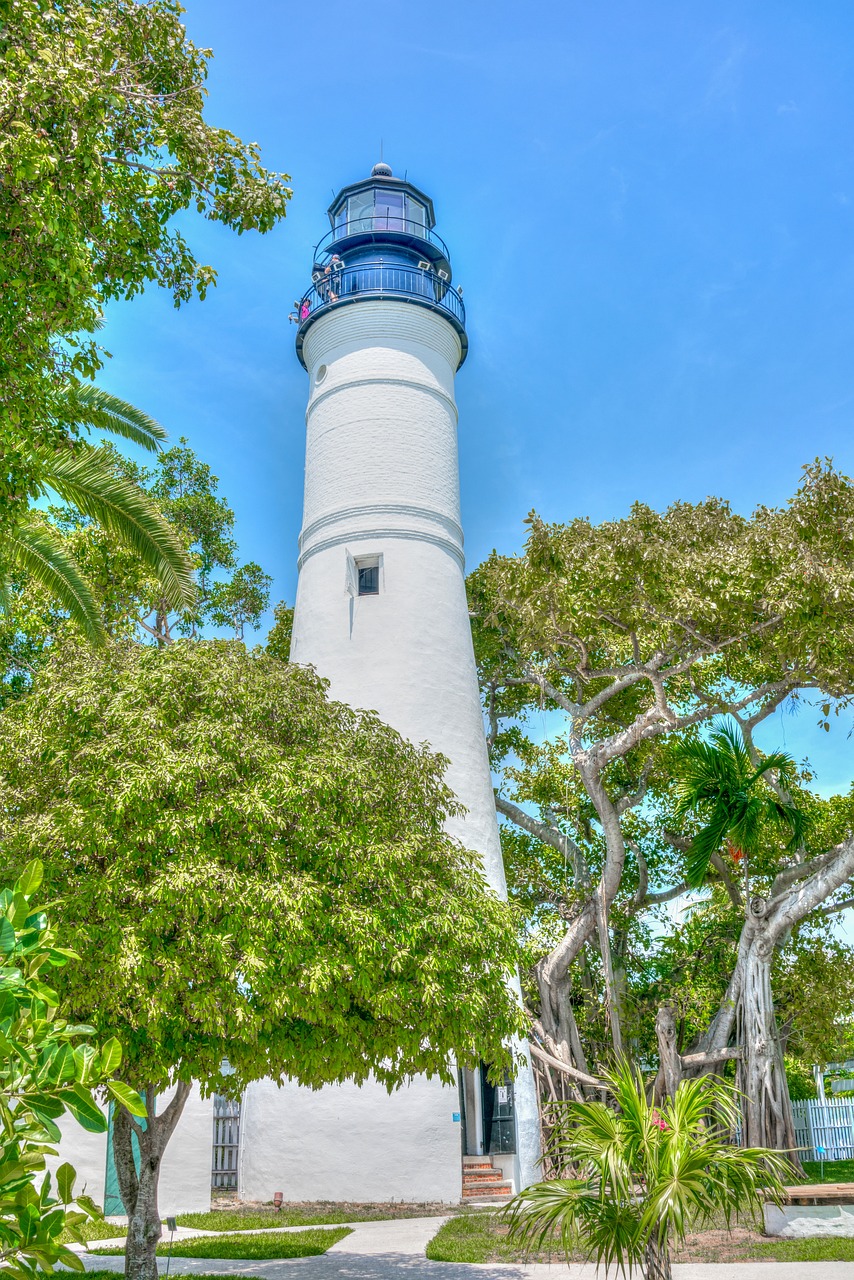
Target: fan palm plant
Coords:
[(718, 781), (85, 476), (650, 1174)]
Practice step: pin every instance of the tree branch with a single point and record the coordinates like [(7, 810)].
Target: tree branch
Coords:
[(572, 1072)]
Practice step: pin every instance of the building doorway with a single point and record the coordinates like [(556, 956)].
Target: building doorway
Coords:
[(489, 1114)]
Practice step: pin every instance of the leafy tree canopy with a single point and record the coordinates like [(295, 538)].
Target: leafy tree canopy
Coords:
[(102, 141), (249, 871), (600, 648)]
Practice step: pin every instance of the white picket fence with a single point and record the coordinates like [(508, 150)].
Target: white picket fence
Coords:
[(226, 1143), (825, 1130)]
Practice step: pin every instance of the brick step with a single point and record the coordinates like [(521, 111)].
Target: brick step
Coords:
[(477, 1162), (483, 1176), (493, 1191)]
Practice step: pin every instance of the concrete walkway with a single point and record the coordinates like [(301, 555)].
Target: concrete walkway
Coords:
[(394, 1250)]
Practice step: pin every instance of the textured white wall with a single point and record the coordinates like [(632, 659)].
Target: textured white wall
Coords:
[(87, 1152), (185, 1175), (349, 1142), (382, 479)]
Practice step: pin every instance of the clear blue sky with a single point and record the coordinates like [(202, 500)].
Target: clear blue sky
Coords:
[(650, 209)]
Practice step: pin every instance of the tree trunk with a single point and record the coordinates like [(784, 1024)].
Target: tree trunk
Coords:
[(767, 1119), (669, 1061), (656, 1261), (138, 1187)]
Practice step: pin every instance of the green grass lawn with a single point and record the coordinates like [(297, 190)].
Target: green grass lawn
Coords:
[(304, 1215), (833, 1171), (289, 1244), (483, 1238), (474, 1238), (820, 1249), (99, 1231)]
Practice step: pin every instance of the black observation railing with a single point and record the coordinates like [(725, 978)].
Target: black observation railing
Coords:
[(376, 226), (380, 279)]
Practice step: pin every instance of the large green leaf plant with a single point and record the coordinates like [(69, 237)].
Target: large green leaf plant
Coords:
[(648, 1175), (48, 1068)]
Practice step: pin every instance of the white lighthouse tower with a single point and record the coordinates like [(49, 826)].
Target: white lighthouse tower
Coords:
[(381, 612)]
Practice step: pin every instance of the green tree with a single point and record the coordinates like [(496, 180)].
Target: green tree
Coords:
[(717, 780), (248, 872), (228, 594), (49, 1067), (281, 632), (130, 600), (627, 635), (742, 806), (88, 477), (103, 141), (648, 1175)]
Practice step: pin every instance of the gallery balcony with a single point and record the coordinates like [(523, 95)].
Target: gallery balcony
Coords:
[(344, 286)]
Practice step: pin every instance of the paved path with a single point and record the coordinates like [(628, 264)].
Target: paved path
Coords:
[(394, 1250)]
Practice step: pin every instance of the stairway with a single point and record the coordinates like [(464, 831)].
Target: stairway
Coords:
[(482, 1182)]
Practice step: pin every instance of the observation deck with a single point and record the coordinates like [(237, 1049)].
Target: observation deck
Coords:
[(381, 245), (343, 286)]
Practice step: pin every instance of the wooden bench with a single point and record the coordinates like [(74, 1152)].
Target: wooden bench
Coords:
[(812, 1209), (820, 1193)]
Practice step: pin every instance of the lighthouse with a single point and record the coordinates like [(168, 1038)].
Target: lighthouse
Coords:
[(381, 612)]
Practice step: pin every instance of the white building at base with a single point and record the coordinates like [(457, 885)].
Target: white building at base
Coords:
[(381, 612)]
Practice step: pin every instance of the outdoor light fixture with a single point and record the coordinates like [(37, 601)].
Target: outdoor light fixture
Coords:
[(278, 1197), (172, 1226)]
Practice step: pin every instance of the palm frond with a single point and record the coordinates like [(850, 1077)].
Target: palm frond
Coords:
[(705, 773), (726, 737), (706, 842), (96, 408), (779, 760), (39, 551), (87, 478)]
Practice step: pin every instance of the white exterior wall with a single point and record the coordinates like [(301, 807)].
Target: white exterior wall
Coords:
[(87, 1152), (382, 480), (185, 1174), (350, 1142)]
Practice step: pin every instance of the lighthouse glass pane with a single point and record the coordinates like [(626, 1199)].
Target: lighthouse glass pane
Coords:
[(415, 214), (360, 209), (388, 215)]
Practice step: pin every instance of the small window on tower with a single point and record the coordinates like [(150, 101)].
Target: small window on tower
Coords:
[(364, 575)]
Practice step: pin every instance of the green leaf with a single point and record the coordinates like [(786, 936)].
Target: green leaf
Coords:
[(65, 1179), (128, 1098), (111, 1056), (93, 1210), (30, 878), (7, 936), (84, 1109)]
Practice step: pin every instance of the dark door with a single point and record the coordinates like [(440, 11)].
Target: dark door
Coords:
[(499, 1116)]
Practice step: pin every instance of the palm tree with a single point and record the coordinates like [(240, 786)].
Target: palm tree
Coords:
[(85, 476), (649, 1175), (718, 780)]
